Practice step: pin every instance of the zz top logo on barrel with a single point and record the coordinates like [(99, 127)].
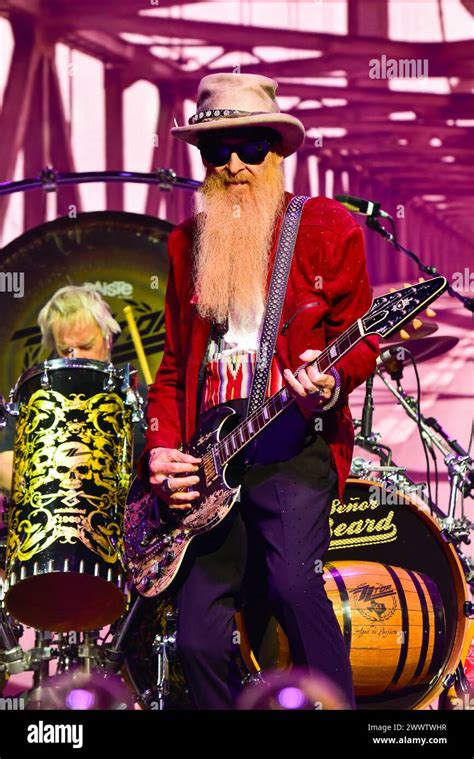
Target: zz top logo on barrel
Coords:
[(368, 601)]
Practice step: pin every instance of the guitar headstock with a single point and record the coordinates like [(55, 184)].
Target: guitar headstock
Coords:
[(390, 312)]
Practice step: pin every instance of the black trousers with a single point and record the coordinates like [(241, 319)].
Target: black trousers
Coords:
[(266, 554)]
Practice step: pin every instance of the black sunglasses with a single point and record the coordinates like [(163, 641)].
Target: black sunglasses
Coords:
[(251, 151)]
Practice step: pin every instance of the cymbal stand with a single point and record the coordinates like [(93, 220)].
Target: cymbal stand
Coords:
[(460, 469), (162, 646)]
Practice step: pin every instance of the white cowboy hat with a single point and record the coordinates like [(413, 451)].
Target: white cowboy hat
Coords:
[(227, 101)]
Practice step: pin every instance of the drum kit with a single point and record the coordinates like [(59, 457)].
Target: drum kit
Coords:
[(395, 570)]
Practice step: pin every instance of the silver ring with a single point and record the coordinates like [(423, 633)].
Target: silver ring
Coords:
[(166, 486)]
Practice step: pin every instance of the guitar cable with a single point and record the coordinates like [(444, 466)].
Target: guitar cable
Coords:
[(420, 431)]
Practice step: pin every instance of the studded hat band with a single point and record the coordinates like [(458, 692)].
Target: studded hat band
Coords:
[(220, 113)]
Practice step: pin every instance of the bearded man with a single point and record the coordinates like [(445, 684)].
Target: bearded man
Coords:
[(274, 540)]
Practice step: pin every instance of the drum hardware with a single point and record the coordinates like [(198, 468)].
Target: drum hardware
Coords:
[(460, 464), (164, 178), (126, 386), (148, 653), (457, 687), (38, 657), (3, 413), (362, 467), (109, 383), (163, 645), (136, 403), (459, 529), (49, 179), (74, 653), (11, 409), (449, 681), (114, 653), (68, 653), (468, 565), (253, 678), (45, 380), (12, 656), (461, 473)]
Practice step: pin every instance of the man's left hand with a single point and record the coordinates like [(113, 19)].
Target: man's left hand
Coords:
[(309, 381)]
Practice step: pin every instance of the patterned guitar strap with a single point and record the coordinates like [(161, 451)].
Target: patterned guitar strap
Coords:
[(276, 297)]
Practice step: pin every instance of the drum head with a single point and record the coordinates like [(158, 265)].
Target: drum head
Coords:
[(65, 601), (386, 527)]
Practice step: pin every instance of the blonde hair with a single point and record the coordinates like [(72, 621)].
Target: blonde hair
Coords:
[(71, 304)]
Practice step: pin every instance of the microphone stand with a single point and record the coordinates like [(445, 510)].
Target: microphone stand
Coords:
[(373, 223), (368, 410), (368, 440)]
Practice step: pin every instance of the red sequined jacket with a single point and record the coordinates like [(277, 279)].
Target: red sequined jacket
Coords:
[(329, 253)]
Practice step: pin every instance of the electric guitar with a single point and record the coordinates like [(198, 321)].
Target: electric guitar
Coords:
[(156, 537)]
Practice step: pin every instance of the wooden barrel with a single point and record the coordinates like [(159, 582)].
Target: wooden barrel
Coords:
[(393, 623)]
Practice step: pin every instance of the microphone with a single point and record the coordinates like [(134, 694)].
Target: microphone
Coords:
[(368, 410), (394, 351), (391, 360), (364, 207)]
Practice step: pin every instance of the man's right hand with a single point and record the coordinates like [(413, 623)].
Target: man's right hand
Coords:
[(173, 465)]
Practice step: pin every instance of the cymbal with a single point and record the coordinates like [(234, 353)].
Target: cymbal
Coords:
[(426, 329), (424, 348)]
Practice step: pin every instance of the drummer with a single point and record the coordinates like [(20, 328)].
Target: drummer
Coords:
[(75, 323)]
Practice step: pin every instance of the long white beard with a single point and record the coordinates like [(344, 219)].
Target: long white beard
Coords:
[(232, 244)]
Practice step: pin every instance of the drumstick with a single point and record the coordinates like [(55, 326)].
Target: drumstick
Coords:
[(137, 342)]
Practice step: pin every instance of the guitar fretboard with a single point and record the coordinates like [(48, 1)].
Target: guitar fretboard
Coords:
[(249, 428)]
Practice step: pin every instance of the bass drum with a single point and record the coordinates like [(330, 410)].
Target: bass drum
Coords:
[(399, 594)]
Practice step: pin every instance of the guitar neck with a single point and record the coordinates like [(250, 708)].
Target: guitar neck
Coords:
[(250, 427)]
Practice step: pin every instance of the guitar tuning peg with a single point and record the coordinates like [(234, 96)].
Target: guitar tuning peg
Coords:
[(393, 290), (421, 279), (417, 323), (430, 312), (404, 334)]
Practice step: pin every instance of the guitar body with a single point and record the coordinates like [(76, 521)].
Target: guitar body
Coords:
[(157, 537)]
